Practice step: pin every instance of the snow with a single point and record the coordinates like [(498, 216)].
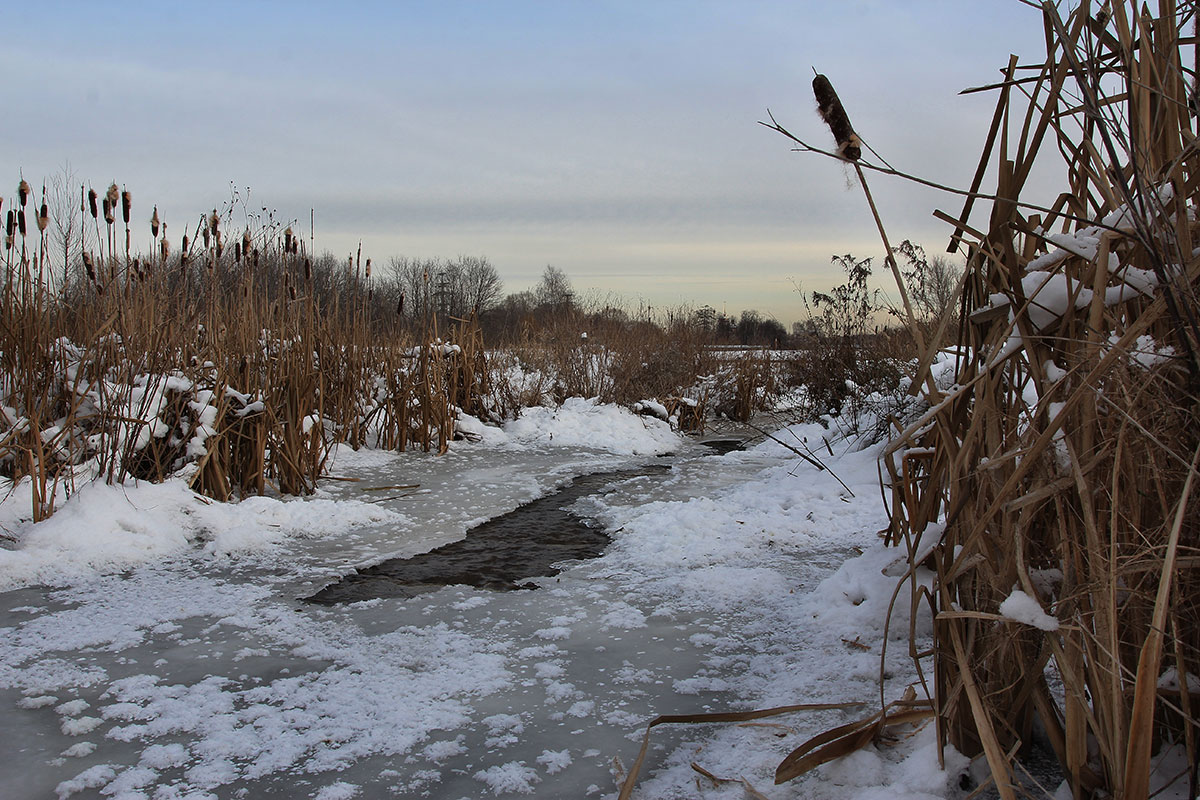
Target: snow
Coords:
[(1020, 607), (168, 631)]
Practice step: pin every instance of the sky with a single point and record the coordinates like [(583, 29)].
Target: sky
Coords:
[(617, 141)]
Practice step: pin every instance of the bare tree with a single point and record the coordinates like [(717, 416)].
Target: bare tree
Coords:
[(932, 282), (66, 216), (554, 292)]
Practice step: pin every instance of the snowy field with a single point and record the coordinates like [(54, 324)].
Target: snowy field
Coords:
[(154, 645)]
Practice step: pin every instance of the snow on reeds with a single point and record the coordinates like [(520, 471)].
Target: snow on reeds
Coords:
[(1062, 463), (1051, 485)]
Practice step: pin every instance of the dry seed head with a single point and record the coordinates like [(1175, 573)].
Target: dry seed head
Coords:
[(10, 223), (214, 222), (220, 245), (237, 252), (368, 268), (92, 202), (166, 246), (43, 217), (23, 191), (154, 223), (21, 221), (113, 194), (831, 110), (307, 270), (89, 266), (292, 292), (109, 215), (126, 205), (246, 241), (206, 238), (287, 239)]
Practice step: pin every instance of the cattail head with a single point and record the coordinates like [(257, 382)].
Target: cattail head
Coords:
[(214, 222), (166, 246), (184, 246), (113, 194), (109, 215), (23, 192), (358, 260), (206, 238), (126, 205), (92, 202), (10, 223), (237, 252), (21, 220), (246, 242), (220, 244), (287, 239), (43, 217), (308, 270), (368, 268), (292, 293), (89, 266), (154, 223), (830, 109)]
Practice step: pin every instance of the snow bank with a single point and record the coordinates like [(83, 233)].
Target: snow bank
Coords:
[(587, 423), (104, 528)]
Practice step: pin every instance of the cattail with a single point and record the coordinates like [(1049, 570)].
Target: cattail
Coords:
[(237, 252), (10, 224), (43, 217), (830, 109), (292, 293), (92, 202), (89, 266), (113, 194), (246, 242), (368, 269), (126, 205), (359, 260), (21, 220), (287, 239), (154, 223), (206, 238), (166, 247), (108, 212), (220, 244), (23, 191), (214, 222), (308, 270), (184, 247)]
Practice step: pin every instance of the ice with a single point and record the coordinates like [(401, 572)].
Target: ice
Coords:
[(202, 674)]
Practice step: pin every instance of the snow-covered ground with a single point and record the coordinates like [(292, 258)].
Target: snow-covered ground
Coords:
[(153, 645)]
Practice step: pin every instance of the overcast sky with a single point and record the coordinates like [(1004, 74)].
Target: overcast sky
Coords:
[(615, 140)]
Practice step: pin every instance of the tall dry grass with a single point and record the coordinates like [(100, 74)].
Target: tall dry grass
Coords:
[(1061, 467), (235, 365)]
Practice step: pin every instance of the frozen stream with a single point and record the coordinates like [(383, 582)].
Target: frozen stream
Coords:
[(206, 675)]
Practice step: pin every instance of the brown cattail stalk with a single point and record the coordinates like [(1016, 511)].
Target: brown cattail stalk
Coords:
[(830, 109)]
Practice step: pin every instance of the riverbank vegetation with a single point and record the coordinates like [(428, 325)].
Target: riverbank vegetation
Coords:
[(232, 354), (1047, 499)]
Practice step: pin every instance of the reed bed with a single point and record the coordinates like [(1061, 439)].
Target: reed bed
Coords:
[(1052, 489), (238, 366)]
